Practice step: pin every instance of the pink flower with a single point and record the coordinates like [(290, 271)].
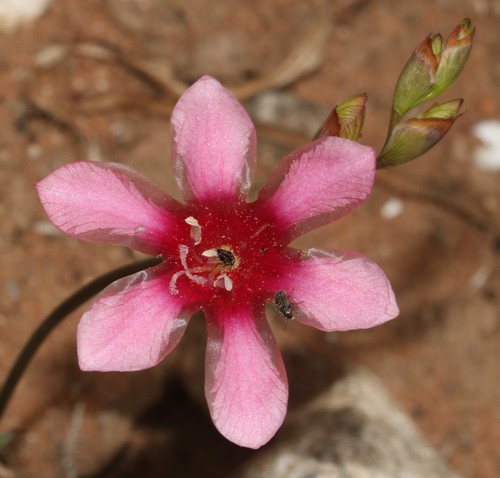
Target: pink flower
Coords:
[(223, 255)]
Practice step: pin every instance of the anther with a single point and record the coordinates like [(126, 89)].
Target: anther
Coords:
[(209, 253), (227, 282), (195, 232)]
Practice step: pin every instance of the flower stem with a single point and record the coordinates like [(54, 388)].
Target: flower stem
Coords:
[(57, 315)]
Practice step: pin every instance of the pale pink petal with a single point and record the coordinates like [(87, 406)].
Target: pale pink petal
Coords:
[(132, 324), (339, 290), (213, 143), (246, 384), (319, 183), (110, 203)]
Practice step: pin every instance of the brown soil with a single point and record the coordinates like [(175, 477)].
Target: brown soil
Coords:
[(69, 89)]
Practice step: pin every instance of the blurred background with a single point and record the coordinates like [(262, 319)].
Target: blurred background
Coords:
[(97, 79)]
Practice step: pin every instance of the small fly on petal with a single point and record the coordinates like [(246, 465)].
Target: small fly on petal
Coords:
[(283, 304)]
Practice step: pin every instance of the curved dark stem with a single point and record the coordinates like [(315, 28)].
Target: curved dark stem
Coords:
[(57, 315)]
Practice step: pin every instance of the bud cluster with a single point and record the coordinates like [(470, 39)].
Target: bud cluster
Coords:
[(432, 68)]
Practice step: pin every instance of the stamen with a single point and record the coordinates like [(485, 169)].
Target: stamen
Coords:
[(195, 232), (225, 260), (210, 253), (183, 252), (196, 257), (227, 282)]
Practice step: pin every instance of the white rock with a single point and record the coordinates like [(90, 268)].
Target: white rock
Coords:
[(16, 12), (480, 277), (487, 155), (352, 430), (46, 228)]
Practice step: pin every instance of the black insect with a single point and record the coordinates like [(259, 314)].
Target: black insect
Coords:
[(283, 304), (226, 257)]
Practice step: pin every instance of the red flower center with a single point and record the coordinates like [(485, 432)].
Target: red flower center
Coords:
[(227, 251)]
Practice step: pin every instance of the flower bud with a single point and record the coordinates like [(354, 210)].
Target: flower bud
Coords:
[(417, 77), (346, 119), (432, 68), (413, 137), (454, 56)]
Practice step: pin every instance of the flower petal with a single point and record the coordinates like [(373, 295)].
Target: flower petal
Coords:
[(319, 183), (339, 290), (246, 384), (213, 143), (132, 324), (108, 203)]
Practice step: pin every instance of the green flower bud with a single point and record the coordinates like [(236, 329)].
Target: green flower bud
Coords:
[(416, 79), (413, 137), (346, 119), (448, 110), (432, 68), (455, 53)]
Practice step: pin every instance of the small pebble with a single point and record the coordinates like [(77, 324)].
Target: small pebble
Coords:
[(45, 228), (392, 208), (487, 155)]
